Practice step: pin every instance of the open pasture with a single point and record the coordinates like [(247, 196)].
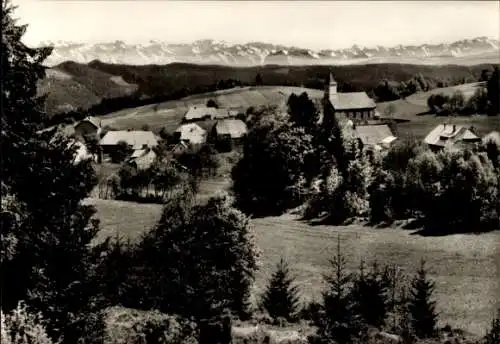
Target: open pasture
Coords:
[(467, 90), (465, 267)]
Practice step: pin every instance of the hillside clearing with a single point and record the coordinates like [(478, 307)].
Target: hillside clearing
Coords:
[(468, 90), (463, 266)]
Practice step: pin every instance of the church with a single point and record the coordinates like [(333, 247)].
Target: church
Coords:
[(356, 106)]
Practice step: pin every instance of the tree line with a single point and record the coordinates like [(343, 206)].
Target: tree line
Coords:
[(485, 100)]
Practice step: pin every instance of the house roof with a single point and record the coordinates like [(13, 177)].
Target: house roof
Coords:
[(191, 132), (135, 138), (143, 158), (199, 112), (92, 120), (234, 127), (371, 135), (445, 134), (351, 101)]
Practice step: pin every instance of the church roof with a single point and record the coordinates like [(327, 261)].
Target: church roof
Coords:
[(351, 101), (374, 134)]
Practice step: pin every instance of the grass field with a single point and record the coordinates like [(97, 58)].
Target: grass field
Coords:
[(468, 90), (169, 114), (465, 267)]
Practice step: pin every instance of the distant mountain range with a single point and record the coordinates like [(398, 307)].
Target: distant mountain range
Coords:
[(465, 52)]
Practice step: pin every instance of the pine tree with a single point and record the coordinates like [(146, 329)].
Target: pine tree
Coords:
[(493, 336), (422, 309), (338, 319), (370, 296), (281, 298), (50, 266)]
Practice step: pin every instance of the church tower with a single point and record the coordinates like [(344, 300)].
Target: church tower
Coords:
[(332, 85)]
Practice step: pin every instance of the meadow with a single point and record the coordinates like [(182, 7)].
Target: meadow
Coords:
[(464, 267), (169, 114)]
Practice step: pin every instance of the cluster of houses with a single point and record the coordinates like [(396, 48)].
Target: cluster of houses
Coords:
[(202, 124)]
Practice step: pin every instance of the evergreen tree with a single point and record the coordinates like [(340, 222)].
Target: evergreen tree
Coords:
[(302, 111), (370, 296), (338, 319), (493, 335), (421, 307), (50, 265), (281, 298)]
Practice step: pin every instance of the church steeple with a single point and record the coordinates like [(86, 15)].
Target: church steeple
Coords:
[(332, 84)]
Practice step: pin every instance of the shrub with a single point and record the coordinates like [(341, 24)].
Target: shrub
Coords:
[(21, 326), (281, 298), (130, 326)]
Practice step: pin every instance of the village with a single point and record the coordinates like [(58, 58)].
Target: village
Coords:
[(225, 130)]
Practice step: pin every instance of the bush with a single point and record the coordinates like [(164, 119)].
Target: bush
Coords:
[(130, 326), (20, 326)]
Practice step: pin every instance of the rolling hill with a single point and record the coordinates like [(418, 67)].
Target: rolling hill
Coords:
[(102, 88), (169, 114), (70, 86)]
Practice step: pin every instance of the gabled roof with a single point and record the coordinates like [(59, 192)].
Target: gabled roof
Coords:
[(135, 138), (92, 120), (234, 127), (371, 135), (143, 158), (351, 101), (200, 112), (448, 134), (191, 132)]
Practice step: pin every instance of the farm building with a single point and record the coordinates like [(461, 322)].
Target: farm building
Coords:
[(375, 136), (201, 113), (190, 133), (178, 148), (142, 159), (135, 139), (447, 135), (88, 126), (233, 128), (356, 106), (229, 132)]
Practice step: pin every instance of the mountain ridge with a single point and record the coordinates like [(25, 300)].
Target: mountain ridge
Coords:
[(208, 51)]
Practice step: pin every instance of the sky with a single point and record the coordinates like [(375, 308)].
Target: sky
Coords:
[(305, 24)]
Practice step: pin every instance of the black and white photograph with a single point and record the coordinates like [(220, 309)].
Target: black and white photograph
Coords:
[(250, 172)]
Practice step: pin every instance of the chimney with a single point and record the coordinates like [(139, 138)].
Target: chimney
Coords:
[(454, 127)]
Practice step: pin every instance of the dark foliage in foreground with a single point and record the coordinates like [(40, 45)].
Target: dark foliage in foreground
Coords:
[(47, 260), (197, 262)]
